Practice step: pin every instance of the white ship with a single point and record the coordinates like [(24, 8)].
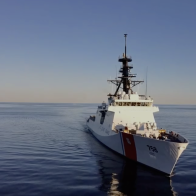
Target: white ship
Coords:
[(127, 125)]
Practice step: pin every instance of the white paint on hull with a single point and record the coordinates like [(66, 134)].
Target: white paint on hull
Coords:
[(163, 158), (114, 141), (160, 155)]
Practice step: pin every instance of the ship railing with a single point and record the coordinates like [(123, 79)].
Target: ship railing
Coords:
[(143, 97), (102, 107), (121, 57)]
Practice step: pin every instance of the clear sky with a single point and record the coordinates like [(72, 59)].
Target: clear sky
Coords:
[(64, 51)]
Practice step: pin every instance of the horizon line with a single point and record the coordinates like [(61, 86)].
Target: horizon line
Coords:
[(84, 103)]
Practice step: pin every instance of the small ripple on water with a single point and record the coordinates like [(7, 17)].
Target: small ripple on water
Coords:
[(47, 150)]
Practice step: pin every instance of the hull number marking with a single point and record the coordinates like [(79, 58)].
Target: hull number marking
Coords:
[(152, 149), (104, 130)]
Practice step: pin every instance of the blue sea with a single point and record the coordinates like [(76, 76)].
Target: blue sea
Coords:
[(46, 149)]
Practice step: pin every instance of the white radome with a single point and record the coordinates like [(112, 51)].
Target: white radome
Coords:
[(127, 125)]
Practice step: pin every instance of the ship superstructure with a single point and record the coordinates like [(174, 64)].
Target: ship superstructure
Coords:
[(127, 125)]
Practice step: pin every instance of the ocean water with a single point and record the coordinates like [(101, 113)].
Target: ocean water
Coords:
[(46, 149)]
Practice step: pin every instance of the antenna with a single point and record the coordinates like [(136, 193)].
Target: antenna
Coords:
[(125, 35), (116, 76), (116, 72), (146, 80)]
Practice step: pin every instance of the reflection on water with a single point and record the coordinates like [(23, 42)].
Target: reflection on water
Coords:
[(46, 150), (132, 179), (120, 176)]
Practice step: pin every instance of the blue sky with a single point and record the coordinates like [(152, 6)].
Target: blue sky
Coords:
[(64, 51)]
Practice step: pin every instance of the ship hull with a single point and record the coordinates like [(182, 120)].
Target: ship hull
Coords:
[(157, 154)]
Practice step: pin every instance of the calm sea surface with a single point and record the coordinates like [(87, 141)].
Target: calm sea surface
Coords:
[(46, 149)]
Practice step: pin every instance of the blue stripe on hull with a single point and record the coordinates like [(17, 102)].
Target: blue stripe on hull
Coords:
[(122, 144)]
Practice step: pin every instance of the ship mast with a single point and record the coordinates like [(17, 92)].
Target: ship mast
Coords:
[(125, 79)]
